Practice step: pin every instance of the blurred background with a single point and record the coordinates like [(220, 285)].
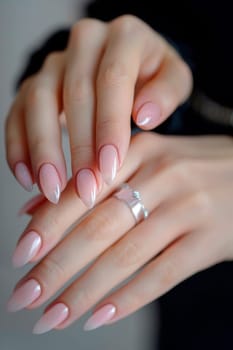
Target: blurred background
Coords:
[(24, 25)]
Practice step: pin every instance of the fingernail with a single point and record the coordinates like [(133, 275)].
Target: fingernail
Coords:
[(108, 163), (50, 182), (32, 204), (23, 176), (86, 187), (99, 318), (51, 319), (26, 249), (24, 295), (148, 115)]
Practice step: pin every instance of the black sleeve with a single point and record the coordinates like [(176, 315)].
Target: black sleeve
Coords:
[(172, 19), (56, 42)]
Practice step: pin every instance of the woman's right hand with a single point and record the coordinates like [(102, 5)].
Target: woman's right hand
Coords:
[(108, 72)]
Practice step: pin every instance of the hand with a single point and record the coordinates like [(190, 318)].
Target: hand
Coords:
[(186, 183), (108, 72)]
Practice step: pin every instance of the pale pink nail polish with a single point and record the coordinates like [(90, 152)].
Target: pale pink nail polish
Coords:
[(148, 115), (32, 204), (23, 176), (99, 318), (50, 182), (24, 295), (86, 187), (108, 163), (26, 249), (51, 319)]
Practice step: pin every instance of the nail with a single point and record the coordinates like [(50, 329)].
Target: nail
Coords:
[(23, 176), (86, 187), (108, 163), (51, 319), (50, 183), (24, 295), (99, 318), (32, 204), (148, 115), (26, 249)]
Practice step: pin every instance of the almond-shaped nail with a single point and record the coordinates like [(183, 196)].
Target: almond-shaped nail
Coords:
[(100, 317), (108, 163), (50, 182), (51, 319), (32, 204), (148, 115), (24, 295), (26, 249), (23, 176), (86, 187)]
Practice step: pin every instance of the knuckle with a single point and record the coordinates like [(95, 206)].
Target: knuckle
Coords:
[(85, 297), (78, 91), (180, 171), (84, 28), (114, 74), (126, 24), (52, 58), (201, 201), (99, 227), (108, 127), (81, 154), (127, 254), (51, 270), (36, 93), (168, 274)]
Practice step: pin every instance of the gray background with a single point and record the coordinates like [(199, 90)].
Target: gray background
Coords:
[(23, 24)]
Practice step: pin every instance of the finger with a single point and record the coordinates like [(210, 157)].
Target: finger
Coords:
[(49, 222), (85, 49), (117, 76), (42, 109), (179, 261), (121, 260), (17, 153), (160, 96)]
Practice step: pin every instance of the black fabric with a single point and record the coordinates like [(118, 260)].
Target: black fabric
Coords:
[(197, 314)]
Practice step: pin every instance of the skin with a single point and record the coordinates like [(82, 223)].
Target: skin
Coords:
[(186, 183), (108, 72)]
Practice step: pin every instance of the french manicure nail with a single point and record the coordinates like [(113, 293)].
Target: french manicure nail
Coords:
[(51, 319), (26, 249), (23, 176), (148, 115), (99, 318), (108, 163), (86, 187), (32, 204), (50, 182), (24, 295)]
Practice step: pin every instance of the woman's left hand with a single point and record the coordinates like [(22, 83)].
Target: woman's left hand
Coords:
[(186, 183)]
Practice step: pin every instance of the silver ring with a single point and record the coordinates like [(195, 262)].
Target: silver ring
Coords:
[(132, 199)]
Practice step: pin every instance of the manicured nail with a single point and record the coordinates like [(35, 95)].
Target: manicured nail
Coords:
[(99, 318), (86, 187), (51, 319), (26, 249), (23, 176), (24, 295), (32, 204), (50, 182), (108, 163), (148, 115)]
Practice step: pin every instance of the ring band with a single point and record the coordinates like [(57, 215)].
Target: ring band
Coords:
[(132, 199)]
